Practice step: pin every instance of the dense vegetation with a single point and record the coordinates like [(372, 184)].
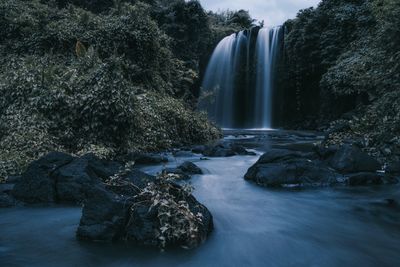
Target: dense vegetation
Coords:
[(104, 76), (342, 64)]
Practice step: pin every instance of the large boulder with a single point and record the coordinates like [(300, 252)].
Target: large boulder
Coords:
[(59, 177), (190, 168), (185, 170), (350, 159), (37, 184), (282, 168), (103, 216), (161, 215), (75, 179)]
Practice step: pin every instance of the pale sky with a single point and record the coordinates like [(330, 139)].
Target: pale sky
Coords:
[(273, 12)]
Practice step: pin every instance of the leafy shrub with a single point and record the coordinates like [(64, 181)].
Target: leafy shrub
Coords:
[(79, 81)]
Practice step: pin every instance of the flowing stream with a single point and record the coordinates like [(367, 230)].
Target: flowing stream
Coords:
[(254, 226)]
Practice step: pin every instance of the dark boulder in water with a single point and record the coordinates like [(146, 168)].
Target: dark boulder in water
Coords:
[(350, 159), (190, 168), (37, 185), (59, 177), (163, 214), (103, 216), (278, 167), (185, 170)]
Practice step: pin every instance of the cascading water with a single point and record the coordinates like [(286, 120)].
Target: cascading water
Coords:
[(266, 51), (240, 78)]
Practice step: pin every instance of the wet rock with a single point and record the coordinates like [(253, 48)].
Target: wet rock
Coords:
[(75, 179), (107, 216), (6, 200), (103, 216), (177, 172), (393, 168), (241, 150), (279, 167), (144, 223), (350, 159), (370, 178), (13, 179), (326, 153), (139, 178), (297, 146), (218, 151), (58, 177), (190, 168), (147, 158), (6, 188), (37, 184)]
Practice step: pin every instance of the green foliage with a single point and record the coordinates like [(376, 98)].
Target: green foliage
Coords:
[(77, 81), (344, 57)]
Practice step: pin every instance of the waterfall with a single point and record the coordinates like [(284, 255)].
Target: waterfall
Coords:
[(240, 79), (266, 51)]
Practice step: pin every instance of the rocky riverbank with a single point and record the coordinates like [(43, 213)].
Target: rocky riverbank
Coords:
[(119, 202)]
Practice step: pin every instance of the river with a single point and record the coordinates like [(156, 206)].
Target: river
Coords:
[(254, 226)]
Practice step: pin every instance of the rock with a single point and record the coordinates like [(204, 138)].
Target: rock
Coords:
[(218, 151), (13, 179), (107, 216), (190, 168), (350, 159), (185, 170), (102, 168), (6, 188), (278, 155), (326, 153), (147, 158), (241, 150), (6, 200), (36, 184), (139, 178), (103, 216), (58, 177), (297, 146), (393, 168), (75, 179), (144, 224), (178, 172), (366, 178), (280, 167)]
